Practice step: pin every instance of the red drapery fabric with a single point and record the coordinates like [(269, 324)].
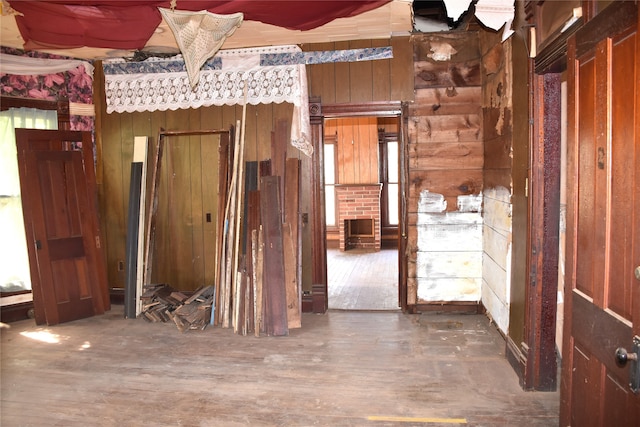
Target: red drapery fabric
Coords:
[(118, 24)]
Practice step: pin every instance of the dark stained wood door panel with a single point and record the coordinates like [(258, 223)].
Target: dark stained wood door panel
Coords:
[(61, 225), (603, 222)]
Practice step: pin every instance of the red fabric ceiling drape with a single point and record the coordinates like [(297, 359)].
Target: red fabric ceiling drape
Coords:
[(117, 24)]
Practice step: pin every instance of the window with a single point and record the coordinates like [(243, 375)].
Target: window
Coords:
[(330, 184), (391, 184), (14, 259)]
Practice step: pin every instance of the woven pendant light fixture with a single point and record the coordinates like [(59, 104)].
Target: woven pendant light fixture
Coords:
[(199, 35)]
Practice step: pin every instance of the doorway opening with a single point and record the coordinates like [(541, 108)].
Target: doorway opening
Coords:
[(361, 180)]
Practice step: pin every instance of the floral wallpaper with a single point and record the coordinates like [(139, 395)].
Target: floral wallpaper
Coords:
[(76, 85)]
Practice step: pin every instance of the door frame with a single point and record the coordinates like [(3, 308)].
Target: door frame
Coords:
[(319, 292)]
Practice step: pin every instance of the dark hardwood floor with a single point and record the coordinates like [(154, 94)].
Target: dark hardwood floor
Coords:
[(343, 368), (360, 279)]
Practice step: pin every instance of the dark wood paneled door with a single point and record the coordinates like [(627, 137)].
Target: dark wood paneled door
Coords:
[(603, 223), (60, 224)]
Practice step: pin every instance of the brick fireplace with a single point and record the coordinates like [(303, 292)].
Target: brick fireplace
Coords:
[(359, 215)]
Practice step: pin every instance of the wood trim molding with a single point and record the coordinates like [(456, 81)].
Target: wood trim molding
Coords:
[(517, 358), (553, 56), (61, 106), (624, 14), (318, 300), (384, 108), (541, 370)]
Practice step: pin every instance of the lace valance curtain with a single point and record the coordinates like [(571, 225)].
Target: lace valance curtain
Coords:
[(163, 84)]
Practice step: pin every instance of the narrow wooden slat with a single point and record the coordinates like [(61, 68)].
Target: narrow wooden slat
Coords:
[(224, 167), (279, 143), (250, 185), (239, 188), (228, 237), (253, 223), (254, 278), (152, 209)]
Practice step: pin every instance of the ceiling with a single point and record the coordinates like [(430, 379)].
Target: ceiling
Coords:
[(393, 18)]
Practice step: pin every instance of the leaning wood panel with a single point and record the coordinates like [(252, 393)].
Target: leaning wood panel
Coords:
[(290, 282), (292, 252), (274, 277)]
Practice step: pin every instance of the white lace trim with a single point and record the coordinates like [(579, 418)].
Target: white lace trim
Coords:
[(172, 90)]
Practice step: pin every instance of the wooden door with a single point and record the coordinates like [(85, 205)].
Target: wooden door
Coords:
[(602, 305), (61, 225)]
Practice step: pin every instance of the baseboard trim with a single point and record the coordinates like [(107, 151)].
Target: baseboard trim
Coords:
[(448, 307), (516, 358)]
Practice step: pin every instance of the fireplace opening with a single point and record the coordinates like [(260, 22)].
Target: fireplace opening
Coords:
[(359, 234), (362, 227)]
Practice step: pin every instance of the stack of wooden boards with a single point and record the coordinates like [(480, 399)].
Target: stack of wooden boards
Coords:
[(258, 268), (162, 303)]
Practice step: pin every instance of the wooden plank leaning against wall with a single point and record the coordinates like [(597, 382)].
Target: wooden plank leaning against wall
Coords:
[(186, 235), (381, 80)]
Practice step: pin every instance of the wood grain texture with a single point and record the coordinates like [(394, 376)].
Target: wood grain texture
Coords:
[(274, 274), (358, 353)]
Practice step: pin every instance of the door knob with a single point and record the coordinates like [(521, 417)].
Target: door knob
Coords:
[(623, 357), (636, 272)]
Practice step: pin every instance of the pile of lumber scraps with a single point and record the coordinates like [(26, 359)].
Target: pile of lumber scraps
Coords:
[(161, 303)]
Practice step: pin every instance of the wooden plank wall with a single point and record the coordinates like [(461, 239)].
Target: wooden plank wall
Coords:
[(185, 256), (445, 132), (356, 149), (499, 156), (367, 81)]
